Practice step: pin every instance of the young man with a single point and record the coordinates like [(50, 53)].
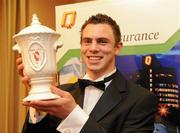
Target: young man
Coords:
[(120, 107)]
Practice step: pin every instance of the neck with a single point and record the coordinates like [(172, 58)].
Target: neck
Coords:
[(95, 74)]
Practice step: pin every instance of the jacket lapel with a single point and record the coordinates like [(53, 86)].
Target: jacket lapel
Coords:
[(76, 92), (111, 97)]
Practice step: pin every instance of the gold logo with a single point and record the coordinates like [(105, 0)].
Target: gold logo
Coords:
[(148, 60), (68, 19)]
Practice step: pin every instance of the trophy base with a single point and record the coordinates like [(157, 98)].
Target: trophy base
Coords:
[(40, 89), (41, 96)]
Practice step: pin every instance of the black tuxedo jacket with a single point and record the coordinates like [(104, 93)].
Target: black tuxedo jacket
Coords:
[(123, 108)]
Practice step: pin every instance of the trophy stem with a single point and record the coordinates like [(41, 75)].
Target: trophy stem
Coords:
[(40, 89)]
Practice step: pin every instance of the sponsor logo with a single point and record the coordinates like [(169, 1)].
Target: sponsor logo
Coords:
[(68, 19)]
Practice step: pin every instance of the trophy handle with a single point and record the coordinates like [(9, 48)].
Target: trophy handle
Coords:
[(16, 48), (57, 45)]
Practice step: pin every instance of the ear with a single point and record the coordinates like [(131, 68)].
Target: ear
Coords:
[(118, 48)]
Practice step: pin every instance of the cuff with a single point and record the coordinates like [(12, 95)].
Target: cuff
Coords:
[(74, 122)]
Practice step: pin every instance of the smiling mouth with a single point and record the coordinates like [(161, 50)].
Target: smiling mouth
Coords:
[(94, 59)]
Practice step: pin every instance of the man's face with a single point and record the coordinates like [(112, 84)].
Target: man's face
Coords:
[(98, 48)]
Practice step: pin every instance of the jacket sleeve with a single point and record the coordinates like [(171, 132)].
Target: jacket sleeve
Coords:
[(46, 125)]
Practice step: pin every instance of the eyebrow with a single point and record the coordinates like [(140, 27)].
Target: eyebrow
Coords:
[(85, 38), (100, 38)]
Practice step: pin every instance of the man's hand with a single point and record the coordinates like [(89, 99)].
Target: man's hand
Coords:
[(60, 107), (19, 65), (20, 68)]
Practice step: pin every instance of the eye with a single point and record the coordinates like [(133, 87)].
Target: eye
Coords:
[(86, 41), (102, 41)]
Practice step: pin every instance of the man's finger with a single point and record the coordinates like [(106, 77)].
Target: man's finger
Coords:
[(20, 69), (25, 81), (26, 103), (19, 60), (42, 103)]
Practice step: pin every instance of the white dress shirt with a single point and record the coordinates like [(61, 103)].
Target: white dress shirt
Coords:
[(78, 117)]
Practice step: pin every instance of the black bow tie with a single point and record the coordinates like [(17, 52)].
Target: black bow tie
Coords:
[(83, 83)]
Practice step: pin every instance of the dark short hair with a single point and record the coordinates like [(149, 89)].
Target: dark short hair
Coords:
[(104, 19)]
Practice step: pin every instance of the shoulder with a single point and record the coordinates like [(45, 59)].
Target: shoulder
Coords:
[(129, 85), (133, 90), (137, 88), (140, 93)]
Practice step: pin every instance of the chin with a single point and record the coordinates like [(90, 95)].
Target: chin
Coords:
[(94, 68)]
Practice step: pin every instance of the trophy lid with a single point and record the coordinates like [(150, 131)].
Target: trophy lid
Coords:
[(35, 27)]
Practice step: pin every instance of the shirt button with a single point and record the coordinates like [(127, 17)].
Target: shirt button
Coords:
[(67, 130)]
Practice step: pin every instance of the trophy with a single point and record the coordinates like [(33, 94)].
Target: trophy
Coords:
[(38, 45)]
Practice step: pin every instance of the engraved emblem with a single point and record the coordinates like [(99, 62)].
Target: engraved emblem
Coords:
[(37, 56)]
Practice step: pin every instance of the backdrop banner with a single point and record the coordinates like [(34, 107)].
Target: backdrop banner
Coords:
[(151, 53)]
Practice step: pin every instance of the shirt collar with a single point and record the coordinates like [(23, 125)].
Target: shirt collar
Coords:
[(100, 78)]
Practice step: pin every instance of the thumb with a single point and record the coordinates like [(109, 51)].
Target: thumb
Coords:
[(58, 91)]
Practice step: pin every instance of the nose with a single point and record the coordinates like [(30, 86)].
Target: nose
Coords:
[(94, 46)]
